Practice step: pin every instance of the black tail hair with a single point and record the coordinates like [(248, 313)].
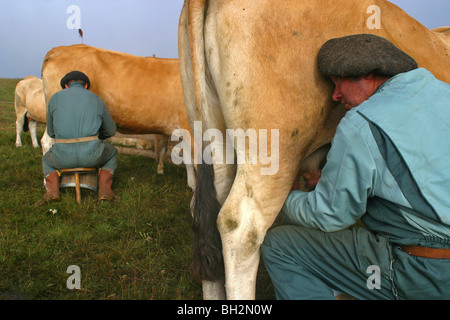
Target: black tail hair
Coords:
[(25, 126), (207, 252)]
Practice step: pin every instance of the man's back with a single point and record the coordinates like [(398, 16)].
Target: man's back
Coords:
[(76, 112), (409, 119)]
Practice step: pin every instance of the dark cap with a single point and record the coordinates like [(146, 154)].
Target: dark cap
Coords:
[(75, 75), (361, 54)]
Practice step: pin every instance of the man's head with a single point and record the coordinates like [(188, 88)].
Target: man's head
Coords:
[(359, 64), (75, 76)]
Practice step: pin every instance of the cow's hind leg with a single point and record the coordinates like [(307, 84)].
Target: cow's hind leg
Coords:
[(249, 210), (33, 132), (21, 125), (161, 143), (46, 142)]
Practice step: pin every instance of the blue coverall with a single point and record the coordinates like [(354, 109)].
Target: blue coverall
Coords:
[(389, 165), (76, 112)]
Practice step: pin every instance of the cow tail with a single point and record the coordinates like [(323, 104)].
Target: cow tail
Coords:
[(25, 126), (207, 252)]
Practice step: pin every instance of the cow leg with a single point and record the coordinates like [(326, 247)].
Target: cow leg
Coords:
[(190, 172), (18, 133), (46, 142), (19, 128), (161, 142), (249, 210), (213, 290), (33, 132)]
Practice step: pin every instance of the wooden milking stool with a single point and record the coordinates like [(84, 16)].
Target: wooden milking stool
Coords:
[(79, 178)]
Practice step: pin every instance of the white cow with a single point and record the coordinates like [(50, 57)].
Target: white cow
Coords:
[(29, 104)]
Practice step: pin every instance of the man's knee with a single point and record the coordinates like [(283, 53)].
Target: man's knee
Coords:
[(279, 238), (274, 237), (281, 235)]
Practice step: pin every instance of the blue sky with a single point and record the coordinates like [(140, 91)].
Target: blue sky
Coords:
[(30, 28)]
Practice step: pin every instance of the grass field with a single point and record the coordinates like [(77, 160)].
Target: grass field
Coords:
[(136, 248)]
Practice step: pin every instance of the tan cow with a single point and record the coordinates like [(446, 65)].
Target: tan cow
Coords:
[(253, 65), (29, 104), (142, 94)]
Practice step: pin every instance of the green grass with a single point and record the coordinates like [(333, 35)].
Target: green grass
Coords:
[(136, 248)]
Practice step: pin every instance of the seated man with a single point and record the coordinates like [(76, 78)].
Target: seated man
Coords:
[(389, 166), (79, 121)]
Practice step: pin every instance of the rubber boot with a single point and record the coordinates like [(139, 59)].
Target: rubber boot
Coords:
[(52, 187), (105, 180)]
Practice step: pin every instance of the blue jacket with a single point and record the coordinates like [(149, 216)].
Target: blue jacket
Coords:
[(389, 164), (75, 113)]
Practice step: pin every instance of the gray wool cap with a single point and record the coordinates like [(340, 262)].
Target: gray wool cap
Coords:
[(75, 75), (361, 54)]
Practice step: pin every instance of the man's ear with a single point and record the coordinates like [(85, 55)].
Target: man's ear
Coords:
[(85, 85), (66, 86)]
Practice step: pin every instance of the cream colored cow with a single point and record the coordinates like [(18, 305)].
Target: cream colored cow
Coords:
[(253, 65), (29, 104), (142, 94)]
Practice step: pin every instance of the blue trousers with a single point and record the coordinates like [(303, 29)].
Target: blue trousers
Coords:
[(107, 160), (308, 264)]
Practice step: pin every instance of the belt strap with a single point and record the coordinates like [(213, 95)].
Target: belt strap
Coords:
[(75, 140), (424, 252)]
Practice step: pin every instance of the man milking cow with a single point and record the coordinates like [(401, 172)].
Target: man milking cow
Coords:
[(79, 122), (389, 166)]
